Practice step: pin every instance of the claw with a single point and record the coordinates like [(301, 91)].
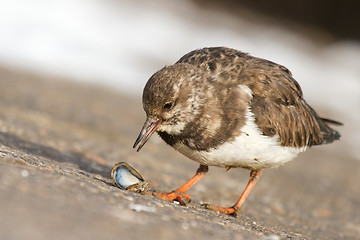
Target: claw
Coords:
[(181, 197), (232, 211)]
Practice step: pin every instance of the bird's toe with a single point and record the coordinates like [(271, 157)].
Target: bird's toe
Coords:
[(232, 211), (178, 196)]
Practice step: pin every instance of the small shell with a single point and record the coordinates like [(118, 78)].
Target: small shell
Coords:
[(126, 177)]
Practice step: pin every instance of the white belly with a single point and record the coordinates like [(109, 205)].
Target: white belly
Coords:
[(251, 149)]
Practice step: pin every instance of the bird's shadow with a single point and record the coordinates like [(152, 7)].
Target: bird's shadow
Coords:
[(83, 163)]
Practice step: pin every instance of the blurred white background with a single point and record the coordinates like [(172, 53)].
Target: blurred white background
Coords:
[(120, 44)]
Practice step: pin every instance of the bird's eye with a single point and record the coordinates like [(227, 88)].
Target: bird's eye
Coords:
[(167, 106)]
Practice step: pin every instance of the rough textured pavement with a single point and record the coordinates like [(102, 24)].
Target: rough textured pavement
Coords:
[(59, 141)]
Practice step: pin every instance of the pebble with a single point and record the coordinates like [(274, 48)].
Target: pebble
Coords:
[(24, 173), (129, 198), (142, 208), (185, 226), (271, 237)]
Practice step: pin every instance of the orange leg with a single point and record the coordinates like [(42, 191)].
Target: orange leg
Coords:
[(234, 210), (180, 193)]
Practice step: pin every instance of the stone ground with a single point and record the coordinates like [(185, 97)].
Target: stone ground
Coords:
[(59, 141)]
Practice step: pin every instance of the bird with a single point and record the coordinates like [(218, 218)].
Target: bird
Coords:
[(222, 107)]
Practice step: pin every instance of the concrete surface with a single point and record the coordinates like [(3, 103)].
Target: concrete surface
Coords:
[(59, 141)]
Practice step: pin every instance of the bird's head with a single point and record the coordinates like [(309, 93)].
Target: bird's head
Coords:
[(170, 101)]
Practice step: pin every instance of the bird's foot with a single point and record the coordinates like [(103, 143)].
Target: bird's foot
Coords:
[(232, 211), (178, 196)]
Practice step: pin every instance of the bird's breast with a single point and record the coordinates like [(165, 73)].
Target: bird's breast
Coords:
[(250, 149)]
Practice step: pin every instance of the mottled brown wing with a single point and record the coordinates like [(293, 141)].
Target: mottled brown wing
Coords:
[(277, 103), (280, 109), (215, 57)]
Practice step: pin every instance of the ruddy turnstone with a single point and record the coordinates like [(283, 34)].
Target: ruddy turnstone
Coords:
[(222, 107)]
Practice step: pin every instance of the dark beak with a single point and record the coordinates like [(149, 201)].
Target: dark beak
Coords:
[(148, 129)]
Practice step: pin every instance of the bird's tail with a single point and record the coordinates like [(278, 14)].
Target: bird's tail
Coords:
[(329, 134)]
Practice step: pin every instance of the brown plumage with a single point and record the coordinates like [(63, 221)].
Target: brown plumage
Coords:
[(222, 107), (277, 103)]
